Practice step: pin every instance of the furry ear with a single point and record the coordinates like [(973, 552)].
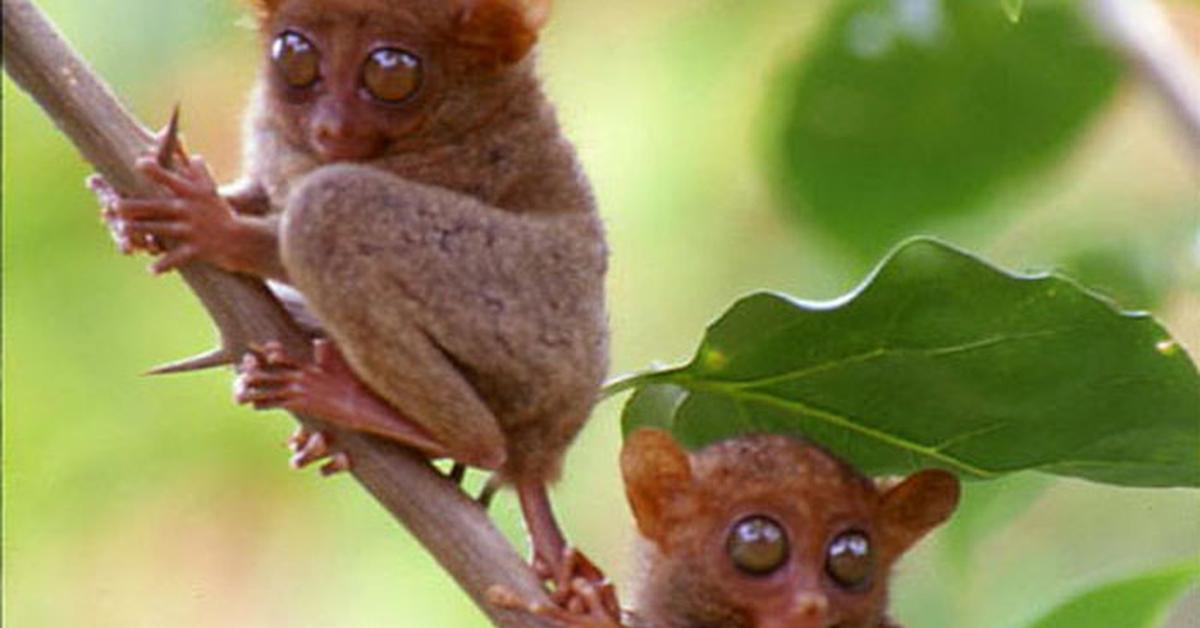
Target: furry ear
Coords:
[(657, 473), (502, 31), (910, 509)]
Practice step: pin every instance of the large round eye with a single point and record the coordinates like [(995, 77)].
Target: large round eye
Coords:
[(392, 74), (296, 58), (757, 545), (849, 560)]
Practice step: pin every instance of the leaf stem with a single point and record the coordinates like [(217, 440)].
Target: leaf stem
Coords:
[(629, 381)]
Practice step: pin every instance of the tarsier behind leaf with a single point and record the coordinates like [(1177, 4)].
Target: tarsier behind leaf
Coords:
[(406, 174), (767, 531)]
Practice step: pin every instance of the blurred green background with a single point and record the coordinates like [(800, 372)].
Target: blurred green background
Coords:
[(148, 502)]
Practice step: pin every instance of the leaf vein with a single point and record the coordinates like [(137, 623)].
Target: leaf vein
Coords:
[(843, 422)]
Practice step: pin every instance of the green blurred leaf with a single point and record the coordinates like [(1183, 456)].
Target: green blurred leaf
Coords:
[(906, 112), (985, 508), (940, 359), (1012, 8), (1137, 602)]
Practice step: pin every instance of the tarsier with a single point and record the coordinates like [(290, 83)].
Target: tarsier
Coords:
[(406, 174), (762, 531)]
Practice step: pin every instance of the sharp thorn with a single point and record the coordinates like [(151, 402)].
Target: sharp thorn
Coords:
[(168, 146), (212, 359)]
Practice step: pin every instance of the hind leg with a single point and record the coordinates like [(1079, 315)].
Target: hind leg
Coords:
[(325, 388)]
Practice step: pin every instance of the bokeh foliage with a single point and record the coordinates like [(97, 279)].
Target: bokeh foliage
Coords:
[(149, 502), (904, 114)]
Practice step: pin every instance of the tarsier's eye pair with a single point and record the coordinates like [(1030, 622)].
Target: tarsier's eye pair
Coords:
[(390, 75), (758, 546)]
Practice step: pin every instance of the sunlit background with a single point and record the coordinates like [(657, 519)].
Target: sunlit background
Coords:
[(132, 501)]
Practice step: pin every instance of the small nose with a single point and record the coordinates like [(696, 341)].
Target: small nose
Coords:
[(337, 136), (807, 610), (332, 123)]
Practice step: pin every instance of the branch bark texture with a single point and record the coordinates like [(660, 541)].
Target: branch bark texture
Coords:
[(450, 525)]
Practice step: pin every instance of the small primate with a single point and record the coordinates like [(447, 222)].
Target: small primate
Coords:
[(767, 531), (405, 173), (761, 531)]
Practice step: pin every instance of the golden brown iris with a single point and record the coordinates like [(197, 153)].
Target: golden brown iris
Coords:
[(757, 545), (296, 59), (391, 74), (849, 560)]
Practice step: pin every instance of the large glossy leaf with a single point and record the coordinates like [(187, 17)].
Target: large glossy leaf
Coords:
[(904, 113), (940, 359), (1138, 602)]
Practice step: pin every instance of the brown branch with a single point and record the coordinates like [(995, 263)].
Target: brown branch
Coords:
[(1141, 31), (451, 526)]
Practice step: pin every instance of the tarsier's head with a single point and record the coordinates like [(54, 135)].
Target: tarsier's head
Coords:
[(359, 79), (771, 532)]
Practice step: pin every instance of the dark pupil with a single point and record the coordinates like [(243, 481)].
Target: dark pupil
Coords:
[(757, 545), (296, 59), (392, 74), (849, 560)]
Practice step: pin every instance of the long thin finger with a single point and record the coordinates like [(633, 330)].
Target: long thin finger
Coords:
[(174, 259), (175, 182), (338, 463), (263, 379), (298, 438), (599, 599), (150, 208), (200, 171), (157, 228), (276, 356), (153, 244), (316, 448), (261, 349), (260, 398), (264, 395)]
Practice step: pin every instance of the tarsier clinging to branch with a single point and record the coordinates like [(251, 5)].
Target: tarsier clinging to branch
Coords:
[(762, 531), (406, 174)]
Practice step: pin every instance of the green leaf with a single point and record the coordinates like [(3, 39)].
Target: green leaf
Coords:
[(903, 115), (1012, 8), (940, 359), (1137, 602)]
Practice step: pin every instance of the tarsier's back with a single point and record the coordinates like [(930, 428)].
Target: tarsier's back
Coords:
[(479, 253)]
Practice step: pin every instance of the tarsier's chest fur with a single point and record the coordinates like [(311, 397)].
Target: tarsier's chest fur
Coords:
[(486, 256)]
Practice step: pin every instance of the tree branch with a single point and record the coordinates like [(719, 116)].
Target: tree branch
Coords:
[(451, 526), (1141, 31)]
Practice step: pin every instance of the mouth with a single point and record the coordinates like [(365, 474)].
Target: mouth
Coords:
[(330, 150)]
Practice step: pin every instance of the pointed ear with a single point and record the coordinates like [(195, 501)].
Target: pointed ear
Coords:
[(501, 31), (910, 509), (657, 474)]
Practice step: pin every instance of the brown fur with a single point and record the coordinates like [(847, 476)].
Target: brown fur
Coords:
[(686, 504), (460, 264)]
